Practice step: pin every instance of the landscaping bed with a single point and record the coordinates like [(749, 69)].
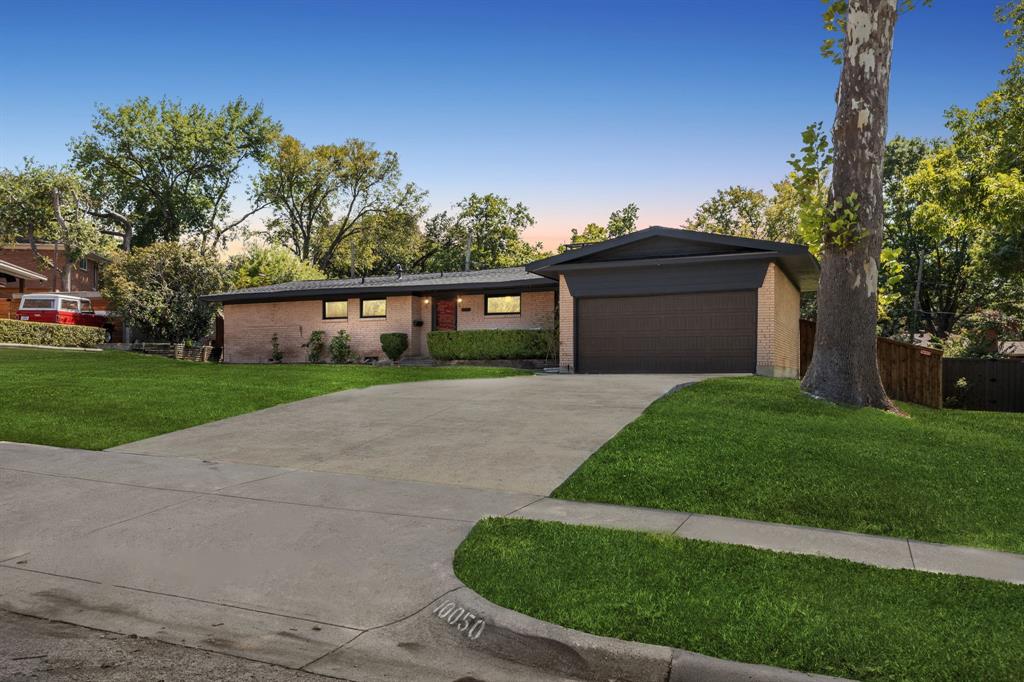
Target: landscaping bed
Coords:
[(99, 400), (757, 448), (802, 612)]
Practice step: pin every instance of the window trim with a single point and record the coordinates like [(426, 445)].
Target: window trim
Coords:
[(323, 308), (488, 297), (362, 307)]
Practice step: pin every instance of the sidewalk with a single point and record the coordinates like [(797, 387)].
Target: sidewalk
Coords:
[(876, 550)]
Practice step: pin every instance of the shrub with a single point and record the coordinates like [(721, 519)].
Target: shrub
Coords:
[(315, 346), (47, 334), (492, 344), (394, 344), (275, 350), (340, 347)]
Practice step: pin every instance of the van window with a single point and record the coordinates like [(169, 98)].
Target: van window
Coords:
[(37, 304), (86, 306), (69, 304)]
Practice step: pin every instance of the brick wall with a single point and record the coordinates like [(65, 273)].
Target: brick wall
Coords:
[(248, 328), (566, 324), (778, 325), (537, 311), (21, 255)]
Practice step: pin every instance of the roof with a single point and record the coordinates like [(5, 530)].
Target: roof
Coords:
[(795, 259), (392, 285), (19, 272)]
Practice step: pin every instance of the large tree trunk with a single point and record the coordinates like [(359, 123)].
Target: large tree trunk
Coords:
[(844, 367)]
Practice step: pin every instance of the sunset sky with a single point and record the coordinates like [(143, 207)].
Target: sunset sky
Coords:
[(573, 108)]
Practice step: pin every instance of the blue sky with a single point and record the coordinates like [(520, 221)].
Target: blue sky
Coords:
[(574, 108)]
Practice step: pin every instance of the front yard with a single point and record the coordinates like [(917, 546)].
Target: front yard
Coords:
[(99, 400), (757, 448), (802, 612)]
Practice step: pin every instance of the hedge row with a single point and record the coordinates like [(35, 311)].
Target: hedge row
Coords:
[(492, 344), (46, 334)]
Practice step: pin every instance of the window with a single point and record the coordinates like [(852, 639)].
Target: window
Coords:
[(502, 305), (37, 304), (373, 307), (87, 306), (69, 304), (336, 310)]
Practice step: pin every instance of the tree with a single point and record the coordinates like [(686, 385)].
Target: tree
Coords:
[(327, 195), (385, 242), (157, 289), (620, 222), (263, 265), (484, 232), (844, 367), (34, 207), (746, 212), (163, 171)]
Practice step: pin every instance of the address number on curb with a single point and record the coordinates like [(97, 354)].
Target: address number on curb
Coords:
[(465, 622)]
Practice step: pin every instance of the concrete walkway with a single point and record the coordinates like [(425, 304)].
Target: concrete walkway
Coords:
[(876, 550)]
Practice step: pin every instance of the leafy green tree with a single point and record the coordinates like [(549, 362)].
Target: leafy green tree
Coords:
[(34, 206), (484, 231), (158, 290), (324, 197), (164, 171), (746, 212), (263, 265), (620, 222)]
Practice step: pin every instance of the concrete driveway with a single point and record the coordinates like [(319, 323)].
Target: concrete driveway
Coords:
[(523, 434), (315, 535)]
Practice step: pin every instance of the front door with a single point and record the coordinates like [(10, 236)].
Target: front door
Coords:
[(445, 315)]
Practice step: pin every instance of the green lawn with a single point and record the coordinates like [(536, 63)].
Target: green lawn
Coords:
[(98, 400), (802, 612), (757, 448)]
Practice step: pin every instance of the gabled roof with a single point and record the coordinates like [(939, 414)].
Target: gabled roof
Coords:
[(392, 285), (795, 259)]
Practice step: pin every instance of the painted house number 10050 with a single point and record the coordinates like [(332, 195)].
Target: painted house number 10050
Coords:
[(461, 619)]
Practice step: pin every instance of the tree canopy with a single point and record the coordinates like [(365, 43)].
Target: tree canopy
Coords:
[(482, 231), (163, 171), (263, 265), (620, 222), (747, 212)]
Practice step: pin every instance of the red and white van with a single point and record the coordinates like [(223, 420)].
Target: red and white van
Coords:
[(62, 309)]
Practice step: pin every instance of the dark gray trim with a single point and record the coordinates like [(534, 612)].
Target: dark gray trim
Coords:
[(670, 278), (323, 308), (533, 284), (362, 302), (488, 297)]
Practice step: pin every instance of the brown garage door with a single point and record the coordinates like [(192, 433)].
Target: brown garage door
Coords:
[(712, 332)]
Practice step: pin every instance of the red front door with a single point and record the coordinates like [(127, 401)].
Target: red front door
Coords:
[(445, 314)]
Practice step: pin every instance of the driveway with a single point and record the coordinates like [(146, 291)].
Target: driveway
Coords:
[(522, 434), (315, 535)]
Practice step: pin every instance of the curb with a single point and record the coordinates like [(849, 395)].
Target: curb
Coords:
[(514, 636)]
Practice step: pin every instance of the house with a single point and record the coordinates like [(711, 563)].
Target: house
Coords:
[(14, 279), (656, 300), (83, 280)]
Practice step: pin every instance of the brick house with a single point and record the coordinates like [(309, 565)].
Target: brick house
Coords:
[(656, 300), (84, 277)]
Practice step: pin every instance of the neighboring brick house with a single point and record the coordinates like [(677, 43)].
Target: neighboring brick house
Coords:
[(85, 275), (656, 300)]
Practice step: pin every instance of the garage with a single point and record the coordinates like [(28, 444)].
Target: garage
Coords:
[(688, 333)]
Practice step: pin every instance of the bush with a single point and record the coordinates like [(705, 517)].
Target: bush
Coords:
[(492, 344), (315, 346), (275, 350), (340, 347), (394, 344), (47, 334)]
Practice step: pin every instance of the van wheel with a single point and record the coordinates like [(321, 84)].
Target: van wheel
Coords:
[(107, 336)]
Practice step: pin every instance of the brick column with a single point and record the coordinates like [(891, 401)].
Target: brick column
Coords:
[(566, 326)]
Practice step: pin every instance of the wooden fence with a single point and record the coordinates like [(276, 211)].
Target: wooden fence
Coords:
[(995, 385), (909, 373)]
